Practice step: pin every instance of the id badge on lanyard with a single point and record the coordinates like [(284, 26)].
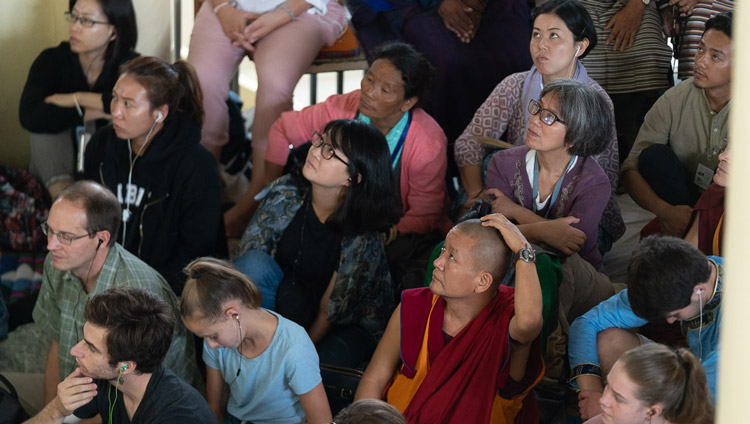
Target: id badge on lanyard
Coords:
[(82, 138), (708, 161)]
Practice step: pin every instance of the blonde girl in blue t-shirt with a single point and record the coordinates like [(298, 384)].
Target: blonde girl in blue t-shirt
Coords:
[(267, 362)]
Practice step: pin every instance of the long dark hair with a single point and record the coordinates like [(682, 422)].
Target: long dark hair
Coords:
[(370, 203), (121, 14), (175, 85)]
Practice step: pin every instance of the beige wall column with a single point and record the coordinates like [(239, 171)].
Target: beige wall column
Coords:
[(734, 368)]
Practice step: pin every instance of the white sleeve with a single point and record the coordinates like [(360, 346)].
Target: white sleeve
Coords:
[(319, 7)]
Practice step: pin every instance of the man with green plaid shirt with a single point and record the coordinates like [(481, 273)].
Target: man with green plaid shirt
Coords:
[(84, 260)]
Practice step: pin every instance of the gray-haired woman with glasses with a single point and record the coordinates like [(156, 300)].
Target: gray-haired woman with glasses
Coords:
[(314, 247), (552, 186), (71, 84)]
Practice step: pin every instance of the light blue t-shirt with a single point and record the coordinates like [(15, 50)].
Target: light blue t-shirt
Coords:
[(702, 332), (268, 387)]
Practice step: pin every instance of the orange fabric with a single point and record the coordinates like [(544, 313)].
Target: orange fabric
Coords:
[(403, 389), (717, 238), (506, 410), (346, 46)]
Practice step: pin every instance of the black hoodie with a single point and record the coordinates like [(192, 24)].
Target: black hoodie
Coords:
[(173, 199)]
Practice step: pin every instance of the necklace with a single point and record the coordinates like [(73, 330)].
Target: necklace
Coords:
[(88, 69), (555, 192)]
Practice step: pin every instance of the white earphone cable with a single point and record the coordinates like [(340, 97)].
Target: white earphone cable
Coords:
[(126, 211)]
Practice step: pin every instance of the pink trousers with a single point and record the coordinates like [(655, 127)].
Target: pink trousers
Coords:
[(281, 58)]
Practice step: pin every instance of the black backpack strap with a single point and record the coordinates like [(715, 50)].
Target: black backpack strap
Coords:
[(11, 389)]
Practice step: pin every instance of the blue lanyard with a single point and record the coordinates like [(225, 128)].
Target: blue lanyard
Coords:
[(400, 144), (555, 192)]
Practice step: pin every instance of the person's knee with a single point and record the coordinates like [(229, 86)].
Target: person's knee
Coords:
[(277, 91), (258, 265), (659, 161), (264, 272), (611, 344)]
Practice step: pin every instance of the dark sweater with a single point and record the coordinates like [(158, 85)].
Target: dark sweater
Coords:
[(57, 70), (175, 197)]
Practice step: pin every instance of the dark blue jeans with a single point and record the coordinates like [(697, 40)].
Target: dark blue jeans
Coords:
[(345, 345), (264, 272)]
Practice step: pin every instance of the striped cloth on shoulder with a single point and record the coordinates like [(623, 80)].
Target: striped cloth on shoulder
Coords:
[(694, 27), (645, 66)]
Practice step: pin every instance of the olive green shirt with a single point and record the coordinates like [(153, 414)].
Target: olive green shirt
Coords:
[(59, 311), (683, 119)]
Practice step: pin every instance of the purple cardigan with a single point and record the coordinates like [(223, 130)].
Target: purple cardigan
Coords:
[(584, 194)]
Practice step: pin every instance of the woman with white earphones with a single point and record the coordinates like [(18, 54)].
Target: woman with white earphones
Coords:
[(266, 363), (562, 33), (151, 158)]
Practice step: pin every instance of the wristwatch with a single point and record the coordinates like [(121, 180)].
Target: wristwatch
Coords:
[(526, 254)]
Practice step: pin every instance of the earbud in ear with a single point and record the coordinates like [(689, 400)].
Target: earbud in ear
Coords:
[(236, 317), (100, 242), (698, 292), (578, 49), (159, 115), (124, 368)]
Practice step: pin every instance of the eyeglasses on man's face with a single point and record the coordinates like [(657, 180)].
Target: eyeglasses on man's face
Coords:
[(62, 237), (73, 17), (546, 115), (326, 149)]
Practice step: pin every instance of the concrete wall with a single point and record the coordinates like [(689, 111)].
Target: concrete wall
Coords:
[(30, 26)]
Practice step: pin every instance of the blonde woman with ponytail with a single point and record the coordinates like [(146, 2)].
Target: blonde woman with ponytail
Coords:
[(658, 385), (267, 363)]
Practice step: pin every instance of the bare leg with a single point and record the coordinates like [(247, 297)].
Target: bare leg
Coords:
[(215, 61), (281, 58), (238, 216)]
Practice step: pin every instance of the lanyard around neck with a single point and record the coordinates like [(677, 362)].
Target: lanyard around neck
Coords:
[(400, 144), (555, 192)]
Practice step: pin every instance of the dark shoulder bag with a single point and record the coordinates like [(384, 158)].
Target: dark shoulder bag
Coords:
[(11, 411), (340, 384)]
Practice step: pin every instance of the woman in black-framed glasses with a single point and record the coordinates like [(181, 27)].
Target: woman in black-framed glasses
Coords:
[(314, 247), (71, 84)]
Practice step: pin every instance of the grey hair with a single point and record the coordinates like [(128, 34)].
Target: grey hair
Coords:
[(490, 252), (587, 115)]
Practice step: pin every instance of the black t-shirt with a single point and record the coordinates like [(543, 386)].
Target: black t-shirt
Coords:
[(309, 252), (168, 399)]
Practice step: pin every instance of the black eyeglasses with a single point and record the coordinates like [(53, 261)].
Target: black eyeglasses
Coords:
[(326, 149), (546, 115), (64, 238), (73, 17)]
